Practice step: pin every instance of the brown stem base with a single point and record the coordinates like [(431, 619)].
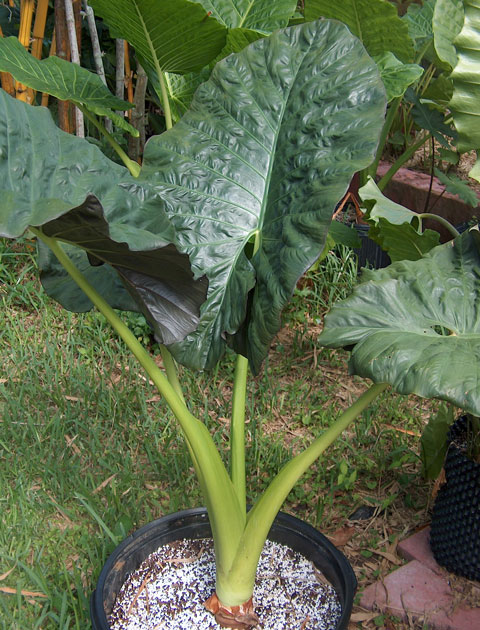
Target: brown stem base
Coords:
[(241, 617)]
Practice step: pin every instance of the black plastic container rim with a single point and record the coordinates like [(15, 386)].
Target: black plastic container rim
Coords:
[(335, 567)]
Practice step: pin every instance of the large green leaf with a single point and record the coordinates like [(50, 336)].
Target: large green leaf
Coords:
[(416, 325), (68, 188), (259, 15), (268, 147), (465, 103), (62, 79), (168, 35), (375, 22), (448, 18)]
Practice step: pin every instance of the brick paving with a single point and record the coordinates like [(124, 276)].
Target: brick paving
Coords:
[(421, 589)]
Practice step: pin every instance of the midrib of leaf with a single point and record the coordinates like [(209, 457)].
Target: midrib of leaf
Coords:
[(242, 21), (357, 19), (158, 70), (271, 159)]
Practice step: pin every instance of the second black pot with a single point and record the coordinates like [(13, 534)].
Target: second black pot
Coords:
[(455, 527), (194, 523)]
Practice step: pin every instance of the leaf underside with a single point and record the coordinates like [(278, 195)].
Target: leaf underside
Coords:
[(67, 187), (416, 325)]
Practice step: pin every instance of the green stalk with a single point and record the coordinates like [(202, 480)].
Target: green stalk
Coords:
[(392, 112), (236, 587), (165, 100), (237, 425), (401, 161), (446, 224), (171, 371), (237, 431), (226, 518), (132, 166)]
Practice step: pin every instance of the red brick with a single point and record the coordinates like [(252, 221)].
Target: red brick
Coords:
[(415, 590), (417, 547)]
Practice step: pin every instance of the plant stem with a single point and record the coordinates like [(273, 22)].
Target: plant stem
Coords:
[(226, 518), (165, 100), (401, 161), (237, 425), (171, 371), (237, 431), (432, 171), (132, 166), (236, 587), (392, 112), (446, 224)]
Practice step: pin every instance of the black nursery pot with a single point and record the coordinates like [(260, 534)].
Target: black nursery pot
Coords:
[(455, 527), (194, 523)]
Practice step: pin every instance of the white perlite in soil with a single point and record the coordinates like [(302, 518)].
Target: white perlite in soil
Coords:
[(167, 592)]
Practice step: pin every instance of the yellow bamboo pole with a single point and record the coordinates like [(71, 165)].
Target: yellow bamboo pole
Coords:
[(39, 28), (27, 7), (6, 79)]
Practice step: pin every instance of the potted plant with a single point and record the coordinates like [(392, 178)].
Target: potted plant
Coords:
[(207, 239)]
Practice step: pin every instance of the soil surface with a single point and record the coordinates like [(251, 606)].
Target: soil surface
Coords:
[(169, 589)]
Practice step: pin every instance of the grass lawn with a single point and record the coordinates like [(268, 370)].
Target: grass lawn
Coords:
[(88, 451)]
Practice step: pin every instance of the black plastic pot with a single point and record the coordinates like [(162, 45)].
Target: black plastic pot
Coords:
[(370, 254), (194, 523), (455, 527)]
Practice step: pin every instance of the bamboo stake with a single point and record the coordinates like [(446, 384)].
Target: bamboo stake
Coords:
[(97, 52), (128, 78), (75, 55), (120, 70), (39, 28), (22, 93), (135, 145), (6, 79), (77, 12), (61, 51)]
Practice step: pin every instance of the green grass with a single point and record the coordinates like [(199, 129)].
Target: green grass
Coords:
[(88, 452)]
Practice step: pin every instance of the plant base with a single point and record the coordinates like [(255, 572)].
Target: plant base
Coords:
[(240, 617), (194, 524)]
